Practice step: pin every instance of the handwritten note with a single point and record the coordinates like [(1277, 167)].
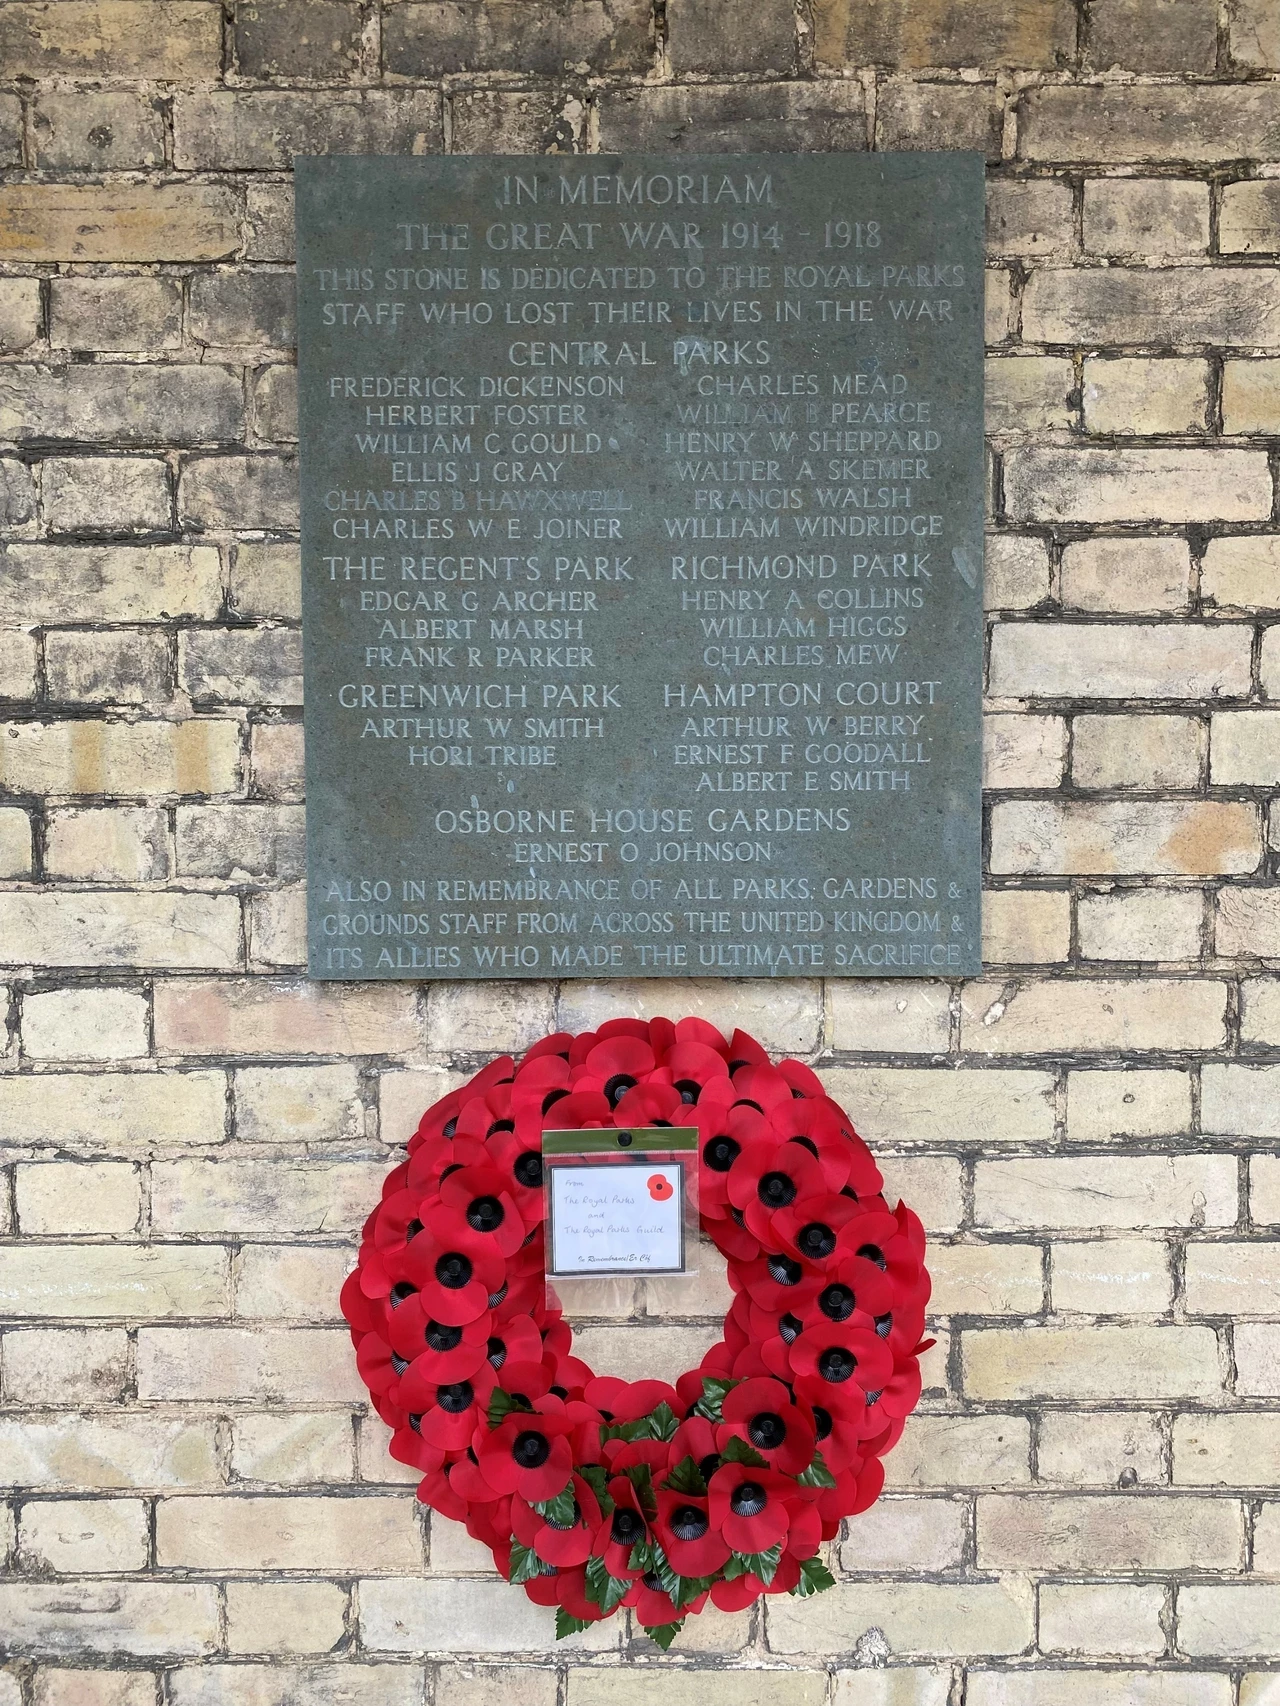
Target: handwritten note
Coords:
[(617, 1220)]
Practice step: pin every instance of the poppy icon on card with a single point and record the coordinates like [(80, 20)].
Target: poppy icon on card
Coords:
[(660, 1188)]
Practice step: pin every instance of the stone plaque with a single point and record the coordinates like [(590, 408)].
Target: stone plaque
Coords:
[(642, 543)]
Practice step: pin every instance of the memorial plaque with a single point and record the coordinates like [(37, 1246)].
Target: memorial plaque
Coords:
[(642, 542)]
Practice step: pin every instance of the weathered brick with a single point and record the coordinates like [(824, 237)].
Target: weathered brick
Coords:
[(946, 1105), (53, 1366), (241, 666), (176, 40), (1233, 1279), (431, 38), (1035, 1531), (1130, 661), (1128, 1103), (278, 929), (1250, 403), (906, 34), (997, 305), (1241, 1100), (67, 1197), (10, 130), (141, 1618), (248, 1533), (63, 1687), (252, 131), (124, 667), (127, 844), (337, 1684), (986, 1279), (275, 404), (1064, 484), (266, 580), (1124, 123), (1114, 1276), (898, 1685), (1255, 36), (1226, 1451), (1146, 1363), (644, 1355), (83, 1536), (702, 37), (1140, 924), (120, 222), (1231, 1620), (1093, 1014), (118, 404), (961, 1451), (1249, 218), (527, 121), (98, 132), (1246, 923), (1129, 395), (248, 492), (1265, 1189), (198, 756), (461, 1684), (1117, 838), (1260, 1010), (1243, 745), (1270, 669), (17, 517), (1106, 1191), (1109, 1448), (290, 1282), (285, 1617), (786, 1017), (280, 1365), (913, 1617), (1028, 216), (1152, 751), (1023, 751), (403, 1098), (1102, 1688), (250, 1196), (108, 583), (239, 841), (96, 494), (1153, 35), (115, 313), (15, 842), (312, 1104), (734, 118), (412, 1616), (1115, 1620), (113, 1111), (19, 314), (276, 756), (274, 38), (1146, 216), (236, 307), (1016, 572), (622, 1687), (939, 115), (84, 1024), (1257, 1347), (1025, 926), (1029, 393), (142, 1282), (265, 1016), (894, 1017), (1186, 305), (269, 222), (293, 1448)]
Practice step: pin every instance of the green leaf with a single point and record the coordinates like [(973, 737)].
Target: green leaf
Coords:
[(502, 1404), (663, 1422), (688, 1588), (526, 1564), (738, 1451), (597, 1478), (815, 1577), (627, 1431), (817, 1474), (663, 1633), (762, 1564), (558, 1511), (641, 1557), (606, 1590), (714, 1392), (566, 1625), (686, 1477), (641, 1478)]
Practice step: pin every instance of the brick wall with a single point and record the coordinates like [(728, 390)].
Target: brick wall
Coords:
[(197, 1508)]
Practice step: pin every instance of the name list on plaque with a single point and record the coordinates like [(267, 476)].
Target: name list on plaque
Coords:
[(642, 543)]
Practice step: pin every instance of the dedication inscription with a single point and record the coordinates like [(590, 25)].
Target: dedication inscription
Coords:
[(642, 542)]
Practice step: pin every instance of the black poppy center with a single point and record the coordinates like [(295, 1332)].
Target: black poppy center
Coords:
[(807, 1143), (653, 1581), (399, 1363), (496, 1352), (500, 1125), (748, 1498), (531, 1450), (785, 1271), (821, 1421), (816, 1240), (626, 1527), (400, 1292), (485, 1214), (836, 1303), (767, 1430), (441, 1337), (453, 1271), (449, 1127), (873, 1253), (884, 1326), (528, 1168), (689, 1091), (412, 1230), (776, 1190), (551, 1098), (836, 1364), (573, 1521), (617, 1086), (453, 1167), (689, 1523), (496, 1297), (790, 1327), (721, 1153), (455, 1398), (708, 1465)]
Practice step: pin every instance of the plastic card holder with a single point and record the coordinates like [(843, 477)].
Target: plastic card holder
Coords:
[(620, 1204)]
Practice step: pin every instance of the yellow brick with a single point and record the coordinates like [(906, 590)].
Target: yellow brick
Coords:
[(67, 1197), (461, 1684), (1138, 752), (906, 1534), (265, 1016), (296, 1533), (1119, 660), (1093, 1013), (1230, 1621), (275, 1197), (925, 1618), (901, 1017), (98, 1452), (1246, 923), (1118, 575), (651, 1353), (142, 1283), (1087, 1620), (1021, 751), (403, 1098), (84, 1024), (1106, 1190), (1233, 1279), (1028, 393), (891, 1105), (277, 760), (1242, 573), (280, 1365), (94, 1688), (109, 583), (66, 1365), (298, 1104), (1260, 1010), (339, 1683), (930, 1184), (1025, 926), (84, 1536), (200, 756), (278, 929), (1101, 1449), (1241, 1100), (1115, 1276), (1039, 1531), (1103, 1105), (1155, 838), (634, 1687), (277, 1282), (1145, 216), (1016, 572), (290, 1449), (900, 1685), (1141, 924), (140, 1618), (1245, 748), (1099, 1687), (1142, 1363), (961, 1451), (1240, 1450), (123, 222), (986, 1279), (1249, 398), (1264, 1189), (266, 580), (284, 1617), (1065, 484), (178, 40), (15, 842), (116, 844), (785, 1014), (455, 1553), (114, 1110), (414, 1616), (1146, 396)]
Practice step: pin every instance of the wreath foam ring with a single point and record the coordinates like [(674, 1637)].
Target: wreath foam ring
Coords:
[(594, 1492)]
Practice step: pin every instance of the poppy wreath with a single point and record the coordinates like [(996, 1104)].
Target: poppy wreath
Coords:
[(594, 1492)]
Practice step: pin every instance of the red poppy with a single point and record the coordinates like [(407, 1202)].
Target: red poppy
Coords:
[(761, 1413), (454, 1410), (436, 1350), (528, 1453), (455, 1279), (769, 1177), (749, 1506), (624, 1528), (693, 1547), (556, 1542)]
